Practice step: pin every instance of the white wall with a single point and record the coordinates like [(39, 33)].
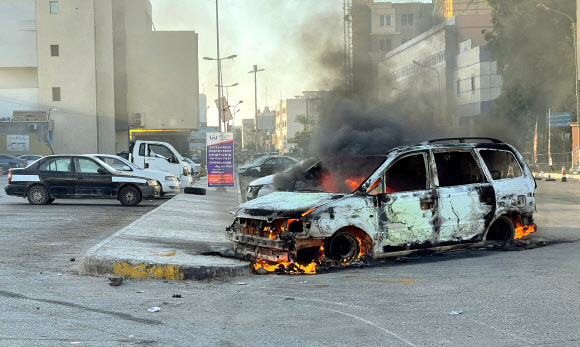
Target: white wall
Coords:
[(17, 33)]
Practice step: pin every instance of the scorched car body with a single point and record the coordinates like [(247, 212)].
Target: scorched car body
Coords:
[(427, 196)]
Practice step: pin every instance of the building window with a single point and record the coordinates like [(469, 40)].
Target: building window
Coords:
[(410, 19), (384, 20), (54, 51), (473, 84), (404, 18), (53, 7), (385, 45), (458, 86), (55, 93)]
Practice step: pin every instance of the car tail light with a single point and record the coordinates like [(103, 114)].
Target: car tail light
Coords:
[(9, 176)]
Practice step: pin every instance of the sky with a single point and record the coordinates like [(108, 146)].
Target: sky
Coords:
[(299, 43)]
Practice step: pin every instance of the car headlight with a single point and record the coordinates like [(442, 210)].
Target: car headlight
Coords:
[(254, 188), (171, 178), (152, 182)]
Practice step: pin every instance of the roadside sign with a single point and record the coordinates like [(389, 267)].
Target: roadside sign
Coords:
[(17, 143), (558, 119), (226, 113), (220, 159)]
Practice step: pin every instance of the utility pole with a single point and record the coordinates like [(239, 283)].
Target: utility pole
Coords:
[(219, 65), (255, 72)]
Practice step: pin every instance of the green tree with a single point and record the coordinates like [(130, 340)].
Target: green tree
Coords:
[(535, 54), (307, 121)]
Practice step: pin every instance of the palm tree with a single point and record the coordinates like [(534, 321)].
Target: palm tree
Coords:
[(307, 121)]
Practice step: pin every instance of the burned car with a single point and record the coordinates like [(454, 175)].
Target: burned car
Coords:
[(439, 195)]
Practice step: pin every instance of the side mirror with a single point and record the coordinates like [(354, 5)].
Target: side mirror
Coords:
[(146, 165), (126, 168), (102, 171), (496, 175)]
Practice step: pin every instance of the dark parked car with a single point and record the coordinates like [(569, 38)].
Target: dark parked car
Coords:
[(10, 161), (265, 166), (78, 176)]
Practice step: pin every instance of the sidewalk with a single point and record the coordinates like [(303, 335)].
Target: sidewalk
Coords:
[(170, 241), (557, 176)]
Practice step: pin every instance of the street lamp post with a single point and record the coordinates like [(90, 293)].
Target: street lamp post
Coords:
[(438, 85), (234, 115), (255, 72), (544, 7), (219, 84)]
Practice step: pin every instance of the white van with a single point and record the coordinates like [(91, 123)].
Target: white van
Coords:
[(161, 156)]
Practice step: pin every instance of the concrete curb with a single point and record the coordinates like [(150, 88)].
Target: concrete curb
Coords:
[(126, 254), (557, 177)]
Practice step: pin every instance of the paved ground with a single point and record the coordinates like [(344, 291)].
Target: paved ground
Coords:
[(178, 240), (507, 298), (46, 237)]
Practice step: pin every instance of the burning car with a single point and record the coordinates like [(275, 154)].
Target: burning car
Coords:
[(439, 195)]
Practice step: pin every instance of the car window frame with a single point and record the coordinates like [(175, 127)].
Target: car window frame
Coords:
[(488, 173), (86, 158), (476, 158), (428, 183), (56, 158)]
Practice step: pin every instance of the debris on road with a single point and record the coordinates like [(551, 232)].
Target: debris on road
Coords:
[(242, 283), (514, 245), (176, 296), (154, 309), (72, 259), (115, 281), (456, 312)]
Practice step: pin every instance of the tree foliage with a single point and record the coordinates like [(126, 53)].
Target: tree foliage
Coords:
[(535, 54)]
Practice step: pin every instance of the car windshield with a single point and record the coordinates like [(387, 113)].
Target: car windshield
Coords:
[(343, 176), (117, 163), (260, 160)]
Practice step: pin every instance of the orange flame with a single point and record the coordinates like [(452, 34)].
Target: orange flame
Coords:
[(523, 230), (286, 267)]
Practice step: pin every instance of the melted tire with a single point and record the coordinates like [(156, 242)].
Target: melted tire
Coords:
[(130, 196), (195, 190), (342, 247)]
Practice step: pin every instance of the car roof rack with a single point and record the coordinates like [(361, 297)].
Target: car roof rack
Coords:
[(463, 139)]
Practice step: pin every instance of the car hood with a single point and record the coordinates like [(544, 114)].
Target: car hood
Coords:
[(262, 181), (283, 205)]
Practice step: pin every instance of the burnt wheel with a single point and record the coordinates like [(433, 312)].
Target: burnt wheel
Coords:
[(501, 230), (130, 196), (342, 247), (38, 195)]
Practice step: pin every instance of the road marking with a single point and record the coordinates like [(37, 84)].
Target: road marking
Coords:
[(500, 330), (366, 321)]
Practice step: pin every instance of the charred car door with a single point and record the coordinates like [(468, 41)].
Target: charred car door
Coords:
[(407, 205), (466, 200)]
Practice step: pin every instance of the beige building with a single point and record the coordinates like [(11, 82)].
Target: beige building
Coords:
[(248, 133), (105, 70), (308, 103)]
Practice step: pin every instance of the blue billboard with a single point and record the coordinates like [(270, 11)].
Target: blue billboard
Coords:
[(559, 119)]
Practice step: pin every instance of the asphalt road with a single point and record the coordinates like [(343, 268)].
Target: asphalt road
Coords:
[(47, 237), (508, 298)]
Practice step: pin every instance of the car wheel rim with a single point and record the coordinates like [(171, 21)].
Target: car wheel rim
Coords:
[(37, 195), (129, 196)]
